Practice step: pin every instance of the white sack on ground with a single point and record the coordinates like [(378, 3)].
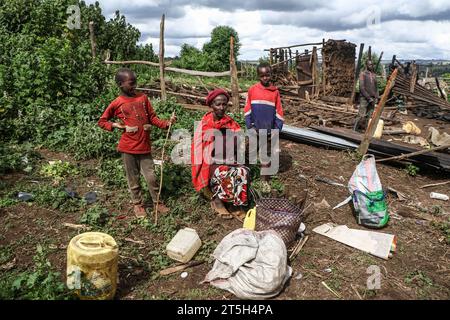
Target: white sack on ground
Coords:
[(250, 264)]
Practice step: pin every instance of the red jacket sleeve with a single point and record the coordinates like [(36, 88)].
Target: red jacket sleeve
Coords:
[(109, 113), (154, 120), (279, 116), (248, 110)]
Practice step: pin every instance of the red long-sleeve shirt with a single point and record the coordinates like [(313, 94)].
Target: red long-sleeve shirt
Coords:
[(134, 112)]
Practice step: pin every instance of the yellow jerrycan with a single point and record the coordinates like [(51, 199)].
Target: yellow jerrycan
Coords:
[(250, 219), (92, 260)]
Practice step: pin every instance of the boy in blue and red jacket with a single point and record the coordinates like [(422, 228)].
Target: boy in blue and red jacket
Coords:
[(263, 108)]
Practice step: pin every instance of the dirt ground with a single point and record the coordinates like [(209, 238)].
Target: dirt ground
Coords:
[(419, 269)]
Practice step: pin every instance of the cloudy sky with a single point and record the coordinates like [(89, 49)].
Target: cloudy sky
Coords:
[(409, 29)]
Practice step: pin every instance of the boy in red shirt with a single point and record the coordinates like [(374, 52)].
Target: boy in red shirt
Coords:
[(136, 115), (263, 108)]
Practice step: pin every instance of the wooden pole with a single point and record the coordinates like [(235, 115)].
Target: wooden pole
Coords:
[(379, 60), (314, 71), (412, 154), (92, 38), (369, 54), (412, 84), (357, 70), (161, 60), (323, 67), (234, 78), (439, 89), (364, 146)]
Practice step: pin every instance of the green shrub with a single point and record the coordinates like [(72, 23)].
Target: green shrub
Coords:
[(95, 216), (42, 282)]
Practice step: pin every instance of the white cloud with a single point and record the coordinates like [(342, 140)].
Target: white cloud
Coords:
[(419, 29)]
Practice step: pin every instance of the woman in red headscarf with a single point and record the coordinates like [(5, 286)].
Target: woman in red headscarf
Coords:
[(218, 178)]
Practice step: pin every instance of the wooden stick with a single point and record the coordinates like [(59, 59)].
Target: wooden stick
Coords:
[(412, 154), (435, 184), (357, 293), (162, 167), (75, 226), (134, 241), (331, 290), (364, 146), (358, 68), (171, 270), (92, 38), (300, 45), (379, 60), (298, 248), (234, 78), (174, 93), (439, 88), (161, 60), (185, 71)]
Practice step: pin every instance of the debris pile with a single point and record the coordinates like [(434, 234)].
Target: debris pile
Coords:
[(424, 102)]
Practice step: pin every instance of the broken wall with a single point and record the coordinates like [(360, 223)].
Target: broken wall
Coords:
[(338, 67)]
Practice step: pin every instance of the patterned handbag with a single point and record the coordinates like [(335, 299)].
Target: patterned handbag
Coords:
[(280, 215)]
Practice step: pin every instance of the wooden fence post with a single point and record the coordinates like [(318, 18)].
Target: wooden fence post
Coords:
[(234, 78), (161, 60), (357, 70), (365, 142), (92, 37)]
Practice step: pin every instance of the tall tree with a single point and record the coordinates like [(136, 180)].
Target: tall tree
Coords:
[(218, 48)]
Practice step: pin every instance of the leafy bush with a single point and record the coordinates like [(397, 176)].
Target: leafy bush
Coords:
[(58, 170), (95, 216), (412, 170), (215, 55), (112, 173), (40, 283), (17, 157)]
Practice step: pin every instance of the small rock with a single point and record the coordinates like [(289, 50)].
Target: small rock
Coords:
[(327, 270), (184, 274), (299, 276)]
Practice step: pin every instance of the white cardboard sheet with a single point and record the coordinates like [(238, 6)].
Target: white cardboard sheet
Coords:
[(375, 243)]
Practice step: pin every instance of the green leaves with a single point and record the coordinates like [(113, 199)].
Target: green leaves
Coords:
[(215, 55), (40, 282)]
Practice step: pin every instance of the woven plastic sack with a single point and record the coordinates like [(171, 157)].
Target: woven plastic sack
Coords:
[(368, 196)]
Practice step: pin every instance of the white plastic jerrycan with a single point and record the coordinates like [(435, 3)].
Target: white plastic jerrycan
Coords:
[(184, 245)]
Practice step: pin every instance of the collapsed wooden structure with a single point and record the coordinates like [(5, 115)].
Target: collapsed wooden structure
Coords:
[(423, 101)]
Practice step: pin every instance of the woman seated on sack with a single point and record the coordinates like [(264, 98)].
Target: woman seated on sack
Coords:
[(217, 177)]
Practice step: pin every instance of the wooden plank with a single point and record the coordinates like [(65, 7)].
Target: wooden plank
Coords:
[(234, 78), (376, 115), (161, 60)]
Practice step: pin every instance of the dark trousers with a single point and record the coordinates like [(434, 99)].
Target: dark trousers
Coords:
[(135, 165), (364, 114)]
